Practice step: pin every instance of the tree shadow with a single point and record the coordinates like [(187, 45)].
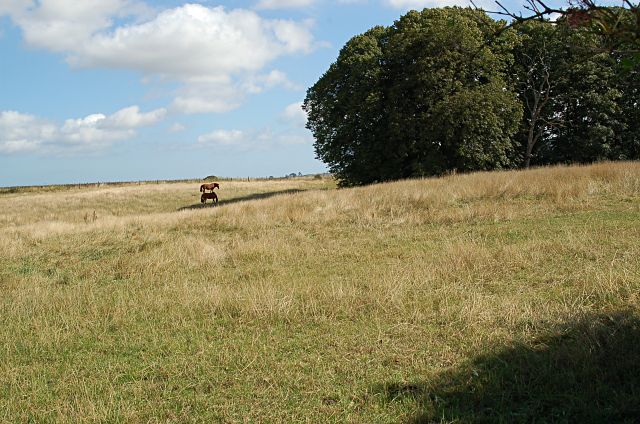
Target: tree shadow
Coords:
[(255, 196), (587, 373)]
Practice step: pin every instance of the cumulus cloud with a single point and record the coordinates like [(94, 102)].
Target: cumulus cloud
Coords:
[(23, 133), (244, 140), (225, 138), (8, 7), (290, 131), (20, 133), (208, 95), (294, 115), (89, 132), (177, 127), (195, 41), (294, 36), (130, 117), (275, 78), (65, 25), (218, 55)]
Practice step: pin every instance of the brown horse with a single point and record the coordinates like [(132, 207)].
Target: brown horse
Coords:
[(212, 196), (209, 186)]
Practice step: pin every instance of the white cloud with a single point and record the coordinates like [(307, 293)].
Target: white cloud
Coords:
[(21, 133), (291, 131), (294, 36), (283, 4), (289, 136), (195, 41), (177, 127), (225, 138), (294, 114), (253, 139), (554, 17), (216, 54), (130, 117), (64, 25), (90, 133), (208, 96), (9, 7), (275, 78)]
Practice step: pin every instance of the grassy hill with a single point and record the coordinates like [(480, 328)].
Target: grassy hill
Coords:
[(488, 297)]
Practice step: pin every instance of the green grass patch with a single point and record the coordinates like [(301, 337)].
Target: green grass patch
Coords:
[(313, 304)]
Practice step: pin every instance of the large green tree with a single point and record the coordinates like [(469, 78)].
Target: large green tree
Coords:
[(445, 89), (584, 101), (539, 69), (424, 96), (346, 111), (627, 81), (580, 99)]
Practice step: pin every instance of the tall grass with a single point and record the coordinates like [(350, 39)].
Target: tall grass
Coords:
[(294, 301)]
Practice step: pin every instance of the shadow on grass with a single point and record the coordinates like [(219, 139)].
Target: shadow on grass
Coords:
[(255, 196), (589, 373)]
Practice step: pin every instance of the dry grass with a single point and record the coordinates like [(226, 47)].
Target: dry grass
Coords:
[(293, 301)]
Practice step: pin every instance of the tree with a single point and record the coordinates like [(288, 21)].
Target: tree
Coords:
[(627, 81), (581, 104), (421, 97), (586, 101), (537, 72), (618, 26), (346, 111), (450, 104)]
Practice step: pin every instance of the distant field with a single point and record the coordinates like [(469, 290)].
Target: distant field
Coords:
[(489, 297)]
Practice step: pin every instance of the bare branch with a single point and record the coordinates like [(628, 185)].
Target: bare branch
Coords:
[(607, 21)]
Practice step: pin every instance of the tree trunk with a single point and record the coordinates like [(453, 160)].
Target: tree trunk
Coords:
[(530, 142)]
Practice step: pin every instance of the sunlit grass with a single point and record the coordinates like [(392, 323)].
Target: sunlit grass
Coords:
[(294, 301)]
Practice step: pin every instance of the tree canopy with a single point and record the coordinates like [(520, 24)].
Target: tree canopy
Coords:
[(448, 89), (618, 27), (384, 109)]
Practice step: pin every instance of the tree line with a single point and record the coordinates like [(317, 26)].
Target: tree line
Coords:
[(452, 89)]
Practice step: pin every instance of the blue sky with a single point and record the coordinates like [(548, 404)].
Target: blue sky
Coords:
[(117, 90)]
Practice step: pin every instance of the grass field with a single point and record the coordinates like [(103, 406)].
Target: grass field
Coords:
[(489, 297)]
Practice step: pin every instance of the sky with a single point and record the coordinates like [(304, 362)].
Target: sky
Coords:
[(127, 90)]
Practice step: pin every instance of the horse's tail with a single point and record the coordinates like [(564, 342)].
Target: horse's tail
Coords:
[(202, 188)]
